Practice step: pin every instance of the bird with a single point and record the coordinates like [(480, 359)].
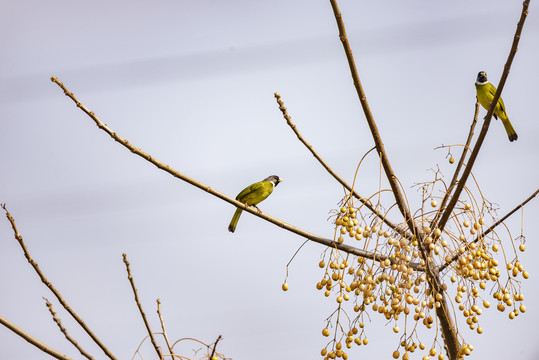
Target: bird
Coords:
[(485, 95), (252, 195)]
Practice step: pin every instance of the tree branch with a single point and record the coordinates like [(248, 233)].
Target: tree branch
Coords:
[(33, 340), (326, 166), (321, 240), (64, 331), (150, 333), (399, 198), (171, 352), (56, 293)]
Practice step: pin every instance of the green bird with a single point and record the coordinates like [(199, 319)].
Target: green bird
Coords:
[(485, 94), (253, 195)]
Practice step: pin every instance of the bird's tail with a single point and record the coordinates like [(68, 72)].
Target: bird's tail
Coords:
[(511, 133), (234, 221)]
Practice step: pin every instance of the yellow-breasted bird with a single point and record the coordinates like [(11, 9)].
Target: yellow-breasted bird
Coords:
[(485, 94), (253, 195)]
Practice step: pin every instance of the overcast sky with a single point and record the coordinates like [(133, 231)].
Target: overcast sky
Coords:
[(192, 83)]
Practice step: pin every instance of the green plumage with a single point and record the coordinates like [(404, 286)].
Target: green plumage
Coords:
[(485, 95), (252, 195)]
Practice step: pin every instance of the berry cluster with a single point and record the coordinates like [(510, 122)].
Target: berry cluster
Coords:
[(395, 286)]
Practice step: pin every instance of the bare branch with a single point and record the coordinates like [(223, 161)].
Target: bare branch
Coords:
[(326, 166), (171, 352), (64, 331), (33, 340), (399, 198), (56, 293), (321, 240), (150, 333)]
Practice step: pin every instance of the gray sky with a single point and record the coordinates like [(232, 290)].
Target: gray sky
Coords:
[(192, 83)]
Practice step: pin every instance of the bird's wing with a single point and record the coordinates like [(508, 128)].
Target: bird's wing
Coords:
[(248, 190), (492, 90)]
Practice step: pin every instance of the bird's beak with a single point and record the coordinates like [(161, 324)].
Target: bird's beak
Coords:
[(281, 179)]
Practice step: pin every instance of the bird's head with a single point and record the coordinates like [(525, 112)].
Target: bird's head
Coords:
[(481, 78), (274, 179)]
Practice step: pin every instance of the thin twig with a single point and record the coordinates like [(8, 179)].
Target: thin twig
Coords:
[(33, 340), (150, 333), (214, 347), (171, 352), (326, 166), (321, 240), (487, 231), (56, 293), (64, 330)]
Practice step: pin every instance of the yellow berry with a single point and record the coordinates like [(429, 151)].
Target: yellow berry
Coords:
[(323, 352), (321, 264), (433, 203), (451, 160), (396, 354), (325, 332), (525, 274), (522, 247), (285, 286), (395, 329)]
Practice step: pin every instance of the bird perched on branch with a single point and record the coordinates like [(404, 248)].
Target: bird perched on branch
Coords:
[(253, 195), (485, 95)]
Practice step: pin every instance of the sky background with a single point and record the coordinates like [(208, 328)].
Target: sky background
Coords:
[(192, 83)]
